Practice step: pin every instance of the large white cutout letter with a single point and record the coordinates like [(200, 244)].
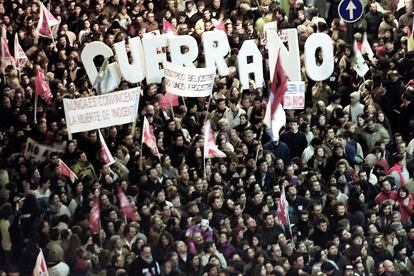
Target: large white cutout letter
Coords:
[(249, 49), (177, 56), (91, 51), (290, 59), (134, 72), (154, 58), (325, 70), (216, 47)]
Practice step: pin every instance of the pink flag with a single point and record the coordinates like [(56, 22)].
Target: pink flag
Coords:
[(148, 137), (282, 209), (66, 171), (19, 55), (126, 206), (46, 22), (169, 100), (42, 86), (94, 217), (40, 268), (210, 148), (220, 25), (6, 58), (168, 28), (105, 153)]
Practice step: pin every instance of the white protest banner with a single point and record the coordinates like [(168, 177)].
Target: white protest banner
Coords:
[(102, 111), (38, 152), (295, 95), (188, 82)]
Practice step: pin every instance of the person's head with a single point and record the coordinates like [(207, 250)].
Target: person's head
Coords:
[(370, 123), (269, 220), (146, 253), (389, 267), (332, 249), (322, 224), (297, 261), (373, 8), (340, 208), (386, 186), (316, 208), (294, 125), (354, 97)]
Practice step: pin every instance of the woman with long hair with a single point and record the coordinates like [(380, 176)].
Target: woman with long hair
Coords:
[(164, 246), (318, 160)]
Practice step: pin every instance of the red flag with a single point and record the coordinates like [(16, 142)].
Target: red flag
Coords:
[(169, 99), (279, 86), (105, 153), (210, 148), (168, 28), (46, 22), (275, 117), (66, 171), (220, 25), (42, 86), (148, 137), (126, 206), (40, 268), (282, 209), (19, 55), (6, 58), (94, 217)]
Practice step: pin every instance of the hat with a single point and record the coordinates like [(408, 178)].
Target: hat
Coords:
[(204, 223), (54, 253), (355, 95)]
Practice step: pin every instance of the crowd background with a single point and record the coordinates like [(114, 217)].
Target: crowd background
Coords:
[(345, 162)]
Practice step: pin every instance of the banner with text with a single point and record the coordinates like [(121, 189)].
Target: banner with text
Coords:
[(295, 95), (95, 112), (188, 82), (38, 152)]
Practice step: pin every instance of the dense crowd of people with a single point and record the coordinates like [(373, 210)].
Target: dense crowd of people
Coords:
[(344, 163)]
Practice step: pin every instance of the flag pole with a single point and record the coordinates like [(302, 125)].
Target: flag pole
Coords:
[(204, 162), (185, 106), (142, 145), (172, 110), (35, 107)]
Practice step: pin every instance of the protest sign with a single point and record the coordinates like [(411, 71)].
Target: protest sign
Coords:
[(95, 112), (188, 82), (38, 152), (295, 95)]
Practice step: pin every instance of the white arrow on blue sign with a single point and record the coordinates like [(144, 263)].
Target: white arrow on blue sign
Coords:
[(350, 10)]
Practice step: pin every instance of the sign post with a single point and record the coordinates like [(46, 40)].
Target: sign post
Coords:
[(350, 10)]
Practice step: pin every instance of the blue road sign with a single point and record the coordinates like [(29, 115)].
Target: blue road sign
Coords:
[(350, 10)]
